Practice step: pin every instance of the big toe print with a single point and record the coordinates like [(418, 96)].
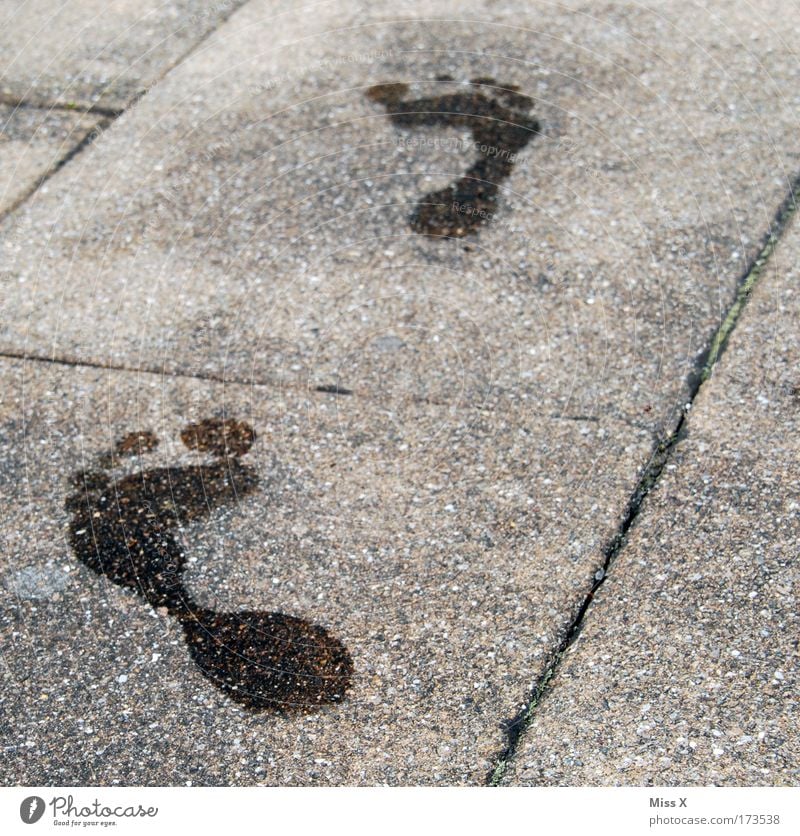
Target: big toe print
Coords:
[(125, 530), (496, 115)]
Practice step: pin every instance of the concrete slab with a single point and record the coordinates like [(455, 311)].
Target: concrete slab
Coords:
[(252, 219), (33, 142), (444, 550), (687, 668), (89, 53), (260, 217)]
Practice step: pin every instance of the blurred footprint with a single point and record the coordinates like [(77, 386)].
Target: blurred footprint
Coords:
[(497, 117)]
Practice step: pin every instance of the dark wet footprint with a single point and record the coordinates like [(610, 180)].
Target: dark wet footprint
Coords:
[(268, 659), (496, 115), (125, 529)]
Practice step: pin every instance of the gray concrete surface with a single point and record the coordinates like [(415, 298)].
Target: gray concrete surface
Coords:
[(90, 53), (33, 143), (248, 219), (445, 549), (687, 668), (241, 237)]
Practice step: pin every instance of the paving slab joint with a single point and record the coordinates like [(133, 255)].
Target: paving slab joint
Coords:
[(94, 110), (323, 389), (58, 164), (515, 727), (107, 114), (749, 280)]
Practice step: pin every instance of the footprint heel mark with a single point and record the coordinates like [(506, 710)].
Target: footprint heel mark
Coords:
[(497, 118), (268, 659), (126, 530)]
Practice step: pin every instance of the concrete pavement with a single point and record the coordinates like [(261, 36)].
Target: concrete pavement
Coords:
[(453, 270)]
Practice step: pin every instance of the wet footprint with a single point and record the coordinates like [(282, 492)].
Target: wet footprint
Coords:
[(497, 117), (125, 530)]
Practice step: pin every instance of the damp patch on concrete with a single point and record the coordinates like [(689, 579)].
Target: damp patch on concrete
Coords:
[(35, 583), (128, 530), (497, 117)]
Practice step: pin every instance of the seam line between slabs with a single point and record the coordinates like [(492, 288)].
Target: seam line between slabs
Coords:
[(108, 114), (516, 727)]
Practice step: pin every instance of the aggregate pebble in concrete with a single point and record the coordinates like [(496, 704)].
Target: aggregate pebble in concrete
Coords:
[(687, 668), (33, 142), (94, 53), (249, 218), (446, 548)]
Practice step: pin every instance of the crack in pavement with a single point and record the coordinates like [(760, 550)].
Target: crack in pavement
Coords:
[(516, 727), (109, 114), (311, 389)]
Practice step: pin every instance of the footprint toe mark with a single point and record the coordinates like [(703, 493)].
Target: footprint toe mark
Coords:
[(218, 436)]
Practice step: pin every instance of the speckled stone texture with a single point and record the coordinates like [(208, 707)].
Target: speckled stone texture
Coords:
[(96, 53), (243, 237), (33, 142), (444, 548), (250, 217), (687, 669)]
